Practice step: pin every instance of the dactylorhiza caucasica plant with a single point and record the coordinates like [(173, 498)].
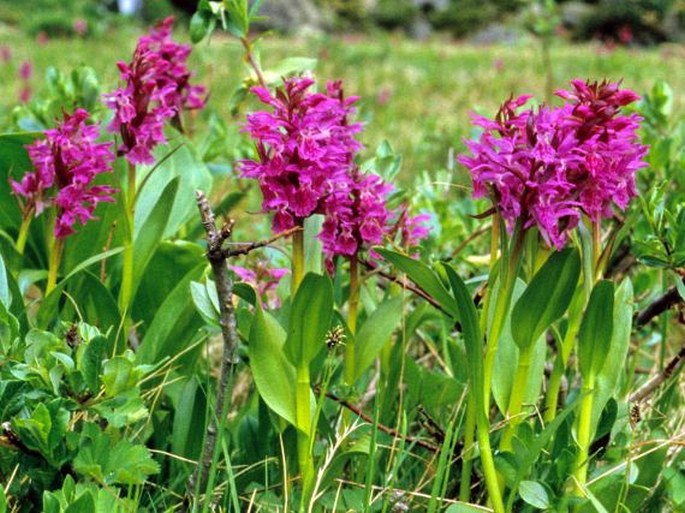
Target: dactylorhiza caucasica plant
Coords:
[(156, 91), (61, 185), (553, 174), (306, 149)]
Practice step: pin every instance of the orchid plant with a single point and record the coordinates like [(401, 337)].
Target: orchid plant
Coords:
[(151, 359)]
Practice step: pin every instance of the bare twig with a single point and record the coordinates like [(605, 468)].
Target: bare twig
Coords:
[(224, 288), (664, 302), (405, 283), (245, 248), (382, 427), (473, 236), (656, 381)]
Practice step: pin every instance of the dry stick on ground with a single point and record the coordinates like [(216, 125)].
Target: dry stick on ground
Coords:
[(224, 288), (673, 366), (218, 259)]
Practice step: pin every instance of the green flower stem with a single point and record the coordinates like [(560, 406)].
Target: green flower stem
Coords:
[(552, 398), (509, 265), (53, 267), (583, 433), (596, 251), (467, 458), (488, 462), (23, 235), (518, 391), (297, 260), (353, 305), (127, 269), (304, 430)]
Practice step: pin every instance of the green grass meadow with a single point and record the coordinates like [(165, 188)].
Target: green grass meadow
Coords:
[(416, 95)]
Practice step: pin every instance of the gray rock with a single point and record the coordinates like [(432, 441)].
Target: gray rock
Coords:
[(574, 13), (496, 33), (293, 16), (420, 29)]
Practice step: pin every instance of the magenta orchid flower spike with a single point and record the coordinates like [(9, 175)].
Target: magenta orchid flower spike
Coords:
[(548, 167), (65, 164), (157, 89), (305, 149), (356, 216)]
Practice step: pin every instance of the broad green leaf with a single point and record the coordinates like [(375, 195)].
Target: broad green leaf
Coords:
[(110, 461), (152, 231), (89, 362), (310, 319), (175, 324), (546, 297), (473, 339), (189, 420), (201, 24), (274, 375), (51, 503), (190, 173), (170, 263), (596, 328), (375, 333), (83, 504), (124, 409), (3, 501), (203, 303), (608, 377), (119, 375), (424, 277), (48, 309), (534, 494), (95, 303)]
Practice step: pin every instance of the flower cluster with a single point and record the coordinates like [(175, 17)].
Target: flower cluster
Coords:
[(306, 149), (356, 216), (65, 164), (265, 279), (547, 167), (157, 88)]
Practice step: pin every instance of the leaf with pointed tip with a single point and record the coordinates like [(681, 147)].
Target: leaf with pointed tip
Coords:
[(424, 277), (546, 297), (596, 328), (310, 319), (375, 333), (608, 376), (274, 375)]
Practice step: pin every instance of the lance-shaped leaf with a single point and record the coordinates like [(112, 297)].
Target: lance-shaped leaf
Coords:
[(375, 332), (546, 297), (310, 318), (273, 374), (610, 373), (473, 339), (596, 329), (424, 277)]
